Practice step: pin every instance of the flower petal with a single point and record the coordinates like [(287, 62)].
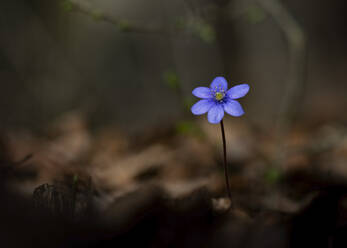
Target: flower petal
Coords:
[(215, 114), (202, 92), (238, 91), (219, 83), (233, 108), (202, 106)]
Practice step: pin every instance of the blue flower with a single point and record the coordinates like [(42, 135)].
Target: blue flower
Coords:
[(217, 99)]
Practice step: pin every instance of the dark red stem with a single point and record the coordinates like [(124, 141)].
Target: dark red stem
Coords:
[(225, 162)]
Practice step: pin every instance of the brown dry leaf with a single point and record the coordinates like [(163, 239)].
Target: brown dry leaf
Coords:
[(114, 174), (52, 158)]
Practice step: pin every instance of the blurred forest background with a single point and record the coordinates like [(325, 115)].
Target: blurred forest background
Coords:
[(55, 59), (95, 98)]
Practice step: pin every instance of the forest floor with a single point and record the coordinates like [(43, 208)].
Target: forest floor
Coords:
[(165, 187)]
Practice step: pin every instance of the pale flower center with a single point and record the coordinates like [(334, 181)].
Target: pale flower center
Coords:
[(219, 96)]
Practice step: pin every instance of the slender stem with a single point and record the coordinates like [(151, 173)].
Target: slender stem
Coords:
[(225, 162)]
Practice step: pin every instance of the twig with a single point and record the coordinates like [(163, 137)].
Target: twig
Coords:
[(122, 24), (296, 41), (25, 159), (12, 166)]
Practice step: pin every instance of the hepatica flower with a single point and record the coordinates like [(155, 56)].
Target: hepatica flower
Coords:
[(215, 101), (218, 99)]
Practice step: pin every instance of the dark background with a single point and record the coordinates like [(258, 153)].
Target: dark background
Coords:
[(53, 60), (98, 147)]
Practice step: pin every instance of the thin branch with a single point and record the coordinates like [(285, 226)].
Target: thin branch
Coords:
[(296, 41), (23, 160), (122, 24)]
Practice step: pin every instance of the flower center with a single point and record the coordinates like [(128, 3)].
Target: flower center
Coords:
[(219, 96)]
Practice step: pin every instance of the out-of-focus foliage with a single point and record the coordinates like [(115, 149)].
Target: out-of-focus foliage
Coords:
[(171, 79), (255, 14), (97, 15), (199, 28), (124, 25), (188, 102), (189, 128), (67, 5), (272, 175)]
